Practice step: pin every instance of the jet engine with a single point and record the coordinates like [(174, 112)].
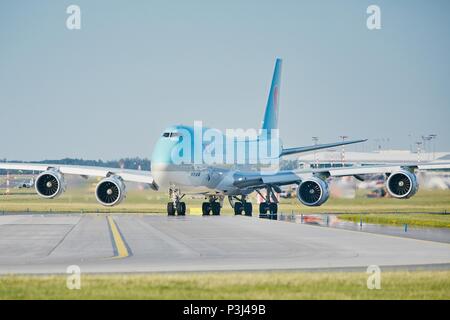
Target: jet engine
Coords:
[(50, 184), (110, 191), (402, 184), (313, 192)]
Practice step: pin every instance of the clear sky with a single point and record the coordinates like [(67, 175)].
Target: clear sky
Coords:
[(135, 67)]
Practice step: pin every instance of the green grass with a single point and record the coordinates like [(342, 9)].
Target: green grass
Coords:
[(82, 200), (246, 285), (423, 201), (412, 219), (146, 201)]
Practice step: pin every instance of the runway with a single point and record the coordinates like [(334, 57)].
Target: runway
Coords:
[(35, 244)]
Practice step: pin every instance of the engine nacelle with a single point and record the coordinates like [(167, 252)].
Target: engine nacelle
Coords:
[(402, 184), (50, 184), (313, 192), (110, 191)]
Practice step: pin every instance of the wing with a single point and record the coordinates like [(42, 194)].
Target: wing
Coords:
[(261, 179), (85, 171), (289, 151)]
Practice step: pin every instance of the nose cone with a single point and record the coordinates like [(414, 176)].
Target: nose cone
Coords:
[(168, 146), (162, 153)]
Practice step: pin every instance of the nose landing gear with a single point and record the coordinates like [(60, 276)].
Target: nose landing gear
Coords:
[(176, 205)]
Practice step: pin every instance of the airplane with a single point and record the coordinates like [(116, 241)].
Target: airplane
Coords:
[(215, 180), (27, 184)]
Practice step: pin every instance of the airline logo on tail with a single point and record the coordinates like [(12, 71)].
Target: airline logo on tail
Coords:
[(275, 101)]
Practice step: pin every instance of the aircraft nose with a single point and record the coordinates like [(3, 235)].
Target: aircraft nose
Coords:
[(164, 149)]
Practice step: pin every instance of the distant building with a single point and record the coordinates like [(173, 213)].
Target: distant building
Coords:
[(335, 158)]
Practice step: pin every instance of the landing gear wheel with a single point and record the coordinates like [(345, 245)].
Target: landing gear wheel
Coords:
[(273, 209), (181, 208), (248, 208), (176, 205), (215, 208), (263, 207), (206, 208), (170, 209), (238, 207)]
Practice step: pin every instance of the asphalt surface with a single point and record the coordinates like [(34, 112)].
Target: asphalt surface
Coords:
[(145, 243), (333, 221)]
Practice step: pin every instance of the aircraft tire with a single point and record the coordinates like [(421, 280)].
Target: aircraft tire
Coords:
[(181, 208), (206, 208), (248, 208), (263, 208), (273, 208), (238, 207), (215, 208), (170, 209)]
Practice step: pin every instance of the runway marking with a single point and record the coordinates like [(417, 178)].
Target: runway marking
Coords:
[(121, 250), (63, 238)]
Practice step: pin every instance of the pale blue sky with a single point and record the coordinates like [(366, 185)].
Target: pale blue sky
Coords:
[(108, 90)]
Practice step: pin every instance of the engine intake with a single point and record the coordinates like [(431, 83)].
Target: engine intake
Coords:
[(313, 192), (110, 191), (50, 184), (402, 184)]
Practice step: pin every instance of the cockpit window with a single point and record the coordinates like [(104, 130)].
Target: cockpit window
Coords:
[(171, 134)]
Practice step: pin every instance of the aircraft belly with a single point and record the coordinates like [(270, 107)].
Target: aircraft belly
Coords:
[(185, 179)]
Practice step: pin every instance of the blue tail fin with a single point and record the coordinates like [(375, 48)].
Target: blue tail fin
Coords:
[(270, 120)]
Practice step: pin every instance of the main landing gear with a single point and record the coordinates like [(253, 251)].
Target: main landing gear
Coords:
[(241, 205), (212, 206), (269, 208), (176, 205)]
